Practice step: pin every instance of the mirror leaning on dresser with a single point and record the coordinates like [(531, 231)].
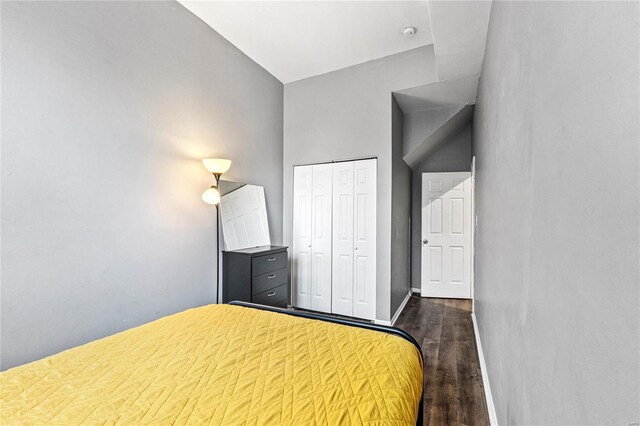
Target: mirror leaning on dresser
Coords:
[(252, 269)]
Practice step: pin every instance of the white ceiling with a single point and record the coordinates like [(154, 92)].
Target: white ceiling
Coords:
[(299, 39)]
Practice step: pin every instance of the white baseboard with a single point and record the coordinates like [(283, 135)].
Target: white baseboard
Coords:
[(491, 408), (416, 290), (397, 314), (401, 308)]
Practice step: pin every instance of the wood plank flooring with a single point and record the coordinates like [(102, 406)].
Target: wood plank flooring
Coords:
[(453, 390)]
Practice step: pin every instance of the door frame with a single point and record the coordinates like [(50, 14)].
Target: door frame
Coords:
[(474, 222)]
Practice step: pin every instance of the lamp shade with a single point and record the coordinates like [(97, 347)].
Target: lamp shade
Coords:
[(216, 165), (211, 196)]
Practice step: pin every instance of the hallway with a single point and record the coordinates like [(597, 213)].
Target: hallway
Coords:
[(453, 389)]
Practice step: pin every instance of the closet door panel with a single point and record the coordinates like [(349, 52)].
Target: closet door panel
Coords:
[(321, 235), (342, 283), (364, 216), (301, 244)]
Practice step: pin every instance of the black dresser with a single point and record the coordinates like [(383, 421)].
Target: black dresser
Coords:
[(257, 275)]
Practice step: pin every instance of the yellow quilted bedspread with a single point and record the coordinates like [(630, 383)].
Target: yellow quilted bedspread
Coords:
[(222, 364)]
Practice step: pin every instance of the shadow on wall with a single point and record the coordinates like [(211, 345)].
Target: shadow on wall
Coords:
[(453, 156)]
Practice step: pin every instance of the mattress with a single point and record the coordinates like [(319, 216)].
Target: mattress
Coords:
[(222, 364)]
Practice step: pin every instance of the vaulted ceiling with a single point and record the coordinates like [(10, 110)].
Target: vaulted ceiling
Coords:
[(299, 39)]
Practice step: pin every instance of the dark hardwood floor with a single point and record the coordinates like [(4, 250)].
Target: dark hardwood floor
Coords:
[(453, 390)]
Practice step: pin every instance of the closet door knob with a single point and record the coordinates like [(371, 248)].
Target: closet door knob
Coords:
[(425, 241), (355, 248)]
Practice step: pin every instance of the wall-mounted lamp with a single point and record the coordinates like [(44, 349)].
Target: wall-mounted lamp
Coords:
[(216, 166)]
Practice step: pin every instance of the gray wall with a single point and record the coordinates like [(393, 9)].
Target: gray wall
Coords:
[(400, 213), (556, 139), (346, 114), (419, 125), (107, 109), (454, 156)]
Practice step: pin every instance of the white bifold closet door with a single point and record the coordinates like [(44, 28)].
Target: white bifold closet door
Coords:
[(342, 273), (354, 238), (301, 244), (334, 238), (311, 251), (321, 238)]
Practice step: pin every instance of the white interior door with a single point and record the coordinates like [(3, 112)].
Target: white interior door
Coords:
[(364, 228), (301, 244), (343, 242), (322, 186), (446, 235)]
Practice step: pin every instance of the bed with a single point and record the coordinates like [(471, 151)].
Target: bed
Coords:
[(225, 364)]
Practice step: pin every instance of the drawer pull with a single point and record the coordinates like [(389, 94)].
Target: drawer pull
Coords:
[(271, 259), (271, 294), (271, 276)]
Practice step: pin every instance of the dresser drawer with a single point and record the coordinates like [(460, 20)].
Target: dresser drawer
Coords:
[(269, 263), (269, 280), (270, 297)]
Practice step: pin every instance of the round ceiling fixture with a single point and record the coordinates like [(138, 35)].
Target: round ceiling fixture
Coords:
[(408, 32)]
